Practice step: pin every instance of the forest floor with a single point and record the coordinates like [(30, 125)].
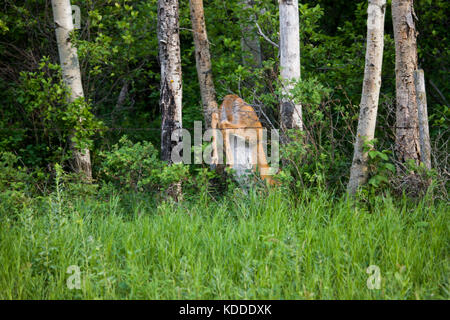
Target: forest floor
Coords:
[(271, 246)]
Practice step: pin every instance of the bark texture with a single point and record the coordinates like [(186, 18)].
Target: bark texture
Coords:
[(290, 113), (62, 13), (424, 134), (171, 85), (203, 60), (370, 93), (407, 132)]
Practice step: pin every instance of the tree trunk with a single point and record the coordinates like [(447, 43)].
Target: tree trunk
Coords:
[(370, 93), (251, 48), (203, 60), (424, 134), (407, 132), (62, 13), (122, 96), (120, 100), (171, 83), (290, 113)]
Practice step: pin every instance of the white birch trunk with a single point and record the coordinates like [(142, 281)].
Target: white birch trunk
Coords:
[(171, 83), (62, 13), (203, 60), (290, 113), (424, 134), (171, 86), (370, 93)]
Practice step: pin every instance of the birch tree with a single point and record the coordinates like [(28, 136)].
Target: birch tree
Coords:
[(62, 14), (171, 83), (407, 133), (370, 93), (290, 113), (203, 60), (171, 86)]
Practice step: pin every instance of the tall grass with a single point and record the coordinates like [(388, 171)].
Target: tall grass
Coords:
[(256, 246)]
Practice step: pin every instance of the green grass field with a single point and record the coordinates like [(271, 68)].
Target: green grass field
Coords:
[(270, 246)]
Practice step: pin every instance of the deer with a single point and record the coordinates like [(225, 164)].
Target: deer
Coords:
[(242, 134)]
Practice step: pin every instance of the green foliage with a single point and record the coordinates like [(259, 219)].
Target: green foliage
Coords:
[(18, 183), (308, 92), (17, 179), (315, 157), (47, 121), (118, 48), (384, 168), (137, 167), (11, 177), (306, 166), (380, 167)]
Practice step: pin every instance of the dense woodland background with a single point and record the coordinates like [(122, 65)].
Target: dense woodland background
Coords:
[(118, 51)]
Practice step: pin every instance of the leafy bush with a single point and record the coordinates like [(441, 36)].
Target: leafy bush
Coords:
[(17, 183), (45, 119), (16, 177), (12, 177), (137, 167), (316, 157)]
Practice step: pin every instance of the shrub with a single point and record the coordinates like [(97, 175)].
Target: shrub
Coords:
[(137, 167)]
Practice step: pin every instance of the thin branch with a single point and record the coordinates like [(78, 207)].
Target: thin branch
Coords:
[(439, 92), (265, 37)]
